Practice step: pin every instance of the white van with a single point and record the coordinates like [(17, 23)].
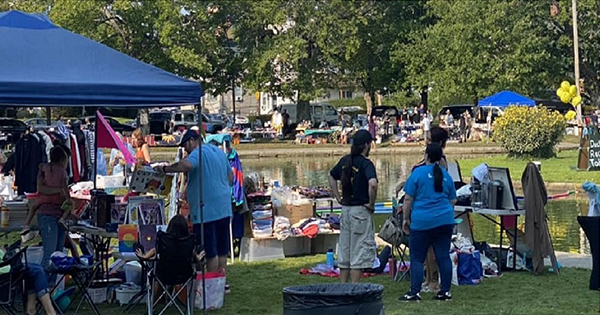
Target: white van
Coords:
[(318, 113)]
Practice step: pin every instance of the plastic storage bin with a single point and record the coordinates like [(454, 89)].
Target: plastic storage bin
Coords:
[(124, 294), (133, 272), (98, 294)]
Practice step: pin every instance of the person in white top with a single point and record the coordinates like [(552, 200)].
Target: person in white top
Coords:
[(426, 125)]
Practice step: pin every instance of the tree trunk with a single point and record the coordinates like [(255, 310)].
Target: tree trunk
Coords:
[(48, 115), (303, 111), (369, 101)]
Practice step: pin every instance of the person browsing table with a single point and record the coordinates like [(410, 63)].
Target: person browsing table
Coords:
[(216, 192), (357, 248)]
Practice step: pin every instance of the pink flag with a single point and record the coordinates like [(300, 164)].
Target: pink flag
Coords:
[(107, 138)]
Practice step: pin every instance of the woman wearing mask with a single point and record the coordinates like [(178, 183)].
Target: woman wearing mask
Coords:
[(429, 220)]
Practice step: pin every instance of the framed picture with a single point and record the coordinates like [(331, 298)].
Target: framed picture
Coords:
[(146, 211), (147, 181)]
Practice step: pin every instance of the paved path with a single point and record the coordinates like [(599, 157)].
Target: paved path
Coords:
[(570, 260)]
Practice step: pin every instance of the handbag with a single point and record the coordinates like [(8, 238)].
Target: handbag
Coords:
[(391, 230)]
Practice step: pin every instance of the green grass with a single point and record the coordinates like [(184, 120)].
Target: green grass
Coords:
[(256, 289), (560, 169)]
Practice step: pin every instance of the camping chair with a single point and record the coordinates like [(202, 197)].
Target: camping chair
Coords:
[(174, 268), (392, 233), (12, 283)]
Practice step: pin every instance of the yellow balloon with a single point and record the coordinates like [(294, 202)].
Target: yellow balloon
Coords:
[(565, 85), (565, 98), (573, 90), (559, 92), (576, 100)]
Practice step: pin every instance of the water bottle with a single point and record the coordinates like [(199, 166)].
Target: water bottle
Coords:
[(330, 258), (392, 267)]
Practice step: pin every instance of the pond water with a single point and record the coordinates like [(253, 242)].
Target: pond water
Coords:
[(566, 234)]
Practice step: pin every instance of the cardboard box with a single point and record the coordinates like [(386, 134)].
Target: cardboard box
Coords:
[(296, 213)]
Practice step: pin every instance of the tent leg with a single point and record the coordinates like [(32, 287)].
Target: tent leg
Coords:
[(231, 240)]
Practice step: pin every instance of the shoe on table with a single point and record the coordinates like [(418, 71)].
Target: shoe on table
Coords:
[(408, 297), (443, 296)]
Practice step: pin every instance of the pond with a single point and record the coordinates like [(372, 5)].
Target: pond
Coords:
[(566, 233)]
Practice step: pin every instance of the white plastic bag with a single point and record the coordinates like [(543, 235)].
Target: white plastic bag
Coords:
[(454, 259), (215, 291)]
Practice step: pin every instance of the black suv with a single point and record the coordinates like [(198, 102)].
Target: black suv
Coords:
[(11, 130)]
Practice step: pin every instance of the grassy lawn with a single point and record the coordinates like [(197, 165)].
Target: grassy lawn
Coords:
[(256, 289), (560, 169)]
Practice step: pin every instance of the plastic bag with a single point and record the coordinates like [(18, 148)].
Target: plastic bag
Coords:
[(454, 259), (469, 270), (215, 291)]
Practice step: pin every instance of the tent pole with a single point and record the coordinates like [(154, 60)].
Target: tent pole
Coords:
[(201, 199), (95, 148)]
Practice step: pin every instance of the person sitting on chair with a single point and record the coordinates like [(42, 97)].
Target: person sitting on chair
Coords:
[(36, 286), (177, 227)]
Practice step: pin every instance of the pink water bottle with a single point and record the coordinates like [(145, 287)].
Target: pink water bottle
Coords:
[(392, 267)]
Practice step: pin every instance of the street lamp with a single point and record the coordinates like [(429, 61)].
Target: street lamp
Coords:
[(576, 56)]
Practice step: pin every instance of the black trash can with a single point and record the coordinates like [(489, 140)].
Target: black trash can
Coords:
[(338, 299)]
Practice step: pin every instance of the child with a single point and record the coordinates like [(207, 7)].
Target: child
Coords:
[(53, 181), (178, 227)]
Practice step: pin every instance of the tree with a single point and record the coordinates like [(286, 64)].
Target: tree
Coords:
[(288, 46), (589, 43), (186, 37), (475, 48), (381, 25)]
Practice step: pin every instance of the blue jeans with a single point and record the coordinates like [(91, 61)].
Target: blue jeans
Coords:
[(35, 280), (53, 239), (419, 243)]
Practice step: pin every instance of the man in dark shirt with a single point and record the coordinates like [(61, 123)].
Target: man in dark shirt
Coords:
[(286, 122), (357, 248)]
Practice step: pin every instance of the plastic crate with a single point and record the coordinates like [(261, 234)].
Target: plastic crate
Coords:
[(98, 294)]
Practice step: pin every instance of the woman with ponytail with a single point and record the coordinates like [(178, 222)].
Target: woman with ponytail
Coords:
[(429, 220), (356, 248)]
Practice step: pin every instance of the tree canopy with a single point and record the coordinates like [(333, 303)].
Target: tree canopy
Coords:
[(460, 49)]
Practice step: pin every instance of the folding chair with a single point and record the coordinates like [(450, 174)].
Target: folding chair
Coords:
[(393, 234), (174, 266), (12, 283), (401, 248)]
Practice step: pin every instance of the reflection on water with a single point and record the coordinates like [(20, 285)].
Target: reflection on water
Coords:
[(566, 234)]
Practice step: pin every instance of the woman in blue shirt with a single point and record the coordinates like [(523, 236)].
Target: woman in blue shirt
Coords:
[(429, 219)]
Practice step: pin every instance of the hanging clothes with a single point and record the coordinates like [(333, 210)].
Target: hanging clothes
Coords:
[(237, 190), (47, 142), (75, 159), (29, 154)]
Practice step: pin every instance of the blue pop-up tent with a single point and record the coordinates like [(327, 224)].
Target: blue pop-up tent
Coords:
[(506, 98), (42, 64)]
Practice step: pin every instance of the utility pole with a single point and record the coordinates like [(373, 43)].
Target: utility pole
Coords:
[(233, 98), (576, 56)]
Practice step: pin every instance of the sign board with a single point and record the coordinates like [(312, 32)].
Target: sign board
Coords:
[(594, 151)]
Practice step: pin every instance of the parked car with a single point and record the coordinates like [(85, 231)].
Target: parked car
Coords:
[(125, 130), (39, 123), (380, 111), (11, 130), (317, 113), (160, 122), (185, 119), (457, 110)]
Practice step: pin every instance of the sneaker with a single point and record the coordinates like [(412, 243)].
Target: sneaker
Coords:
[(227, 289), (443, 296), (408, 297)]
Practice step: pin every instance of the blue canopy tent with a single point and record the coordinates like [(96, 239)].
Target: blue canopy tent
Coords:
[(44, 65), (505, 99)]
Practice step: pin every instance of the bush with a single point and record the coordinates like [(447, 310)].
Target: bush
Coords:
[(529, 131)]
